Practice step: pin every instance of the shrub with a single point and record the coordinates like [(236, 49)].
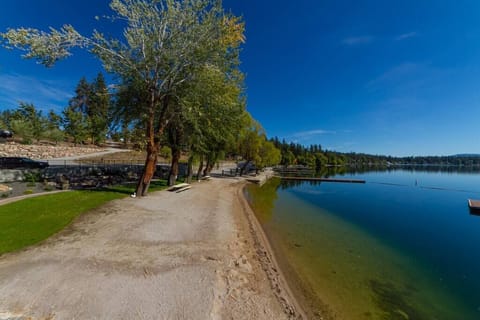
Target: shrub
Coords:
[(32, 177)]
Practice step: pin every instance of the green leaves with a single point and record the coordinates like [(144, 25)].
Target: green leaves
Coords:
[(179, 59), (46, 47)]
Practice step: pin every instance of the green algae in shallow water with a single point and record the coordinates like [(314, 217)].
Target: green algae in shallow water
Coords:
[(356, 274), (393, 303)]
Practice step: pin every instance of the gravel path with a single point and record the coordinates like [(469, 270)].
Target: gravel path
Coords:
[(186, 255)]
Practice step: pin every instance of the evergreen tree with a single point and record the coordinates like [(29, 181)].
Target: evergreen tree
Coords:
[(97, 110)]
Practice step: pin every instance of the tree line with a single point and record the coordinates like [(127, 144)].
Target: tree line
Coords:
[(313, 156)]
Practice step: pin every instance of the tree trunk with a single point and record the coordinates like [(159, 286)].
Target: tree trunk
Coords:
[(205, 171), (153, 146), (208, 167), (190, 169), (174, 168), (149, 170), (200, 168)]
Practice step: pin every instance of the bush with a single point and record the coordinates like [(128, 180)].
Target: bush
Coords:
[(32, 177), (55, 135), (24, 130), (166, 152)]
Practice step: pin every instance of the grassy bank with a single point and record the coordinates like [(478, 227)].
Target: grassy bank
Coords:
[(30, 221)]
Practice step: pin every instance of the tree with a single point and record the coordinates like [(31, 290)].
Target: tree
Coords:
[(54, 121), (250, 141), (80, 102), (28, 113), (53, 127), (269, 155), (288, 158), (74, 124), (97, 110), (165, 41), (92, 100), (23, 129), (28, 122), (215, 110)]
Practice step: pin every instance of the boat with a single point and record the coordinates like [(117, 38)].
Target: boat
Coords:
[(474, 206)]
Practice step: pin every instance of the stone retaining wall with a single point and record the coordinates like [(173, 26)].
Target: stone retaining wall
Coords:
[(44, 152)]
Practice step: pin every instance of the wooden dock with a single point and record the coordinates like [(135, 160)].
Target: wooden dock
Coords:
[(323, 179), (474, 206)]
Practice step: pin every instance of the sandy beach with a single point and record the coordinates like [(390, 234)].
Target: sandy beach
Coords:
[(192, 255)]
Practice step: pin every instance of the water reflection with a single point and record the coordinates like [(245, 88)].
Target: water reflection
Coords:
[(262, 199), (327, 172)]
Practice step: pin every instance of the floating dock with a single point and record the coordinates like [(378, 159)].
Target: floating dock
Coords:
[(323, 179), (474, 206)]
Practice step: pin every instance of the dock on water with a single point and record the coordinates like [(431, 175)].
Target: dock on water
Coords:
[(474, 206), (323, 179)]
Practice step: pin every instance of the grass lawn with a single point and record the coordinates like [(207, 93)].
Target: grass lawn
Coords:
[(30, 221)]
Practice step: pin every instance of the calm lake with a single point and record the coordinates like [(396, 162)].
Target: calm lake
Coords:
[(401, 246)]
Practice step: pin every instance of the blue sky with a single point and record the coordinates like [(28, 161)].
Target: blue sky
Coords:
[(382, 77)]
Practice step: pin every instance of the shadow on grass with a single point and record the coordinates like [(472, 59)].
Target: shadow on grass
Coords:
[(129, 187)]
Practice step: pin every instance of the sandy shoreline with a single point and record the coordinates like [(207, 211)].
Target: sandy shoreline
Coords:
[(194, 255), (266, 256)]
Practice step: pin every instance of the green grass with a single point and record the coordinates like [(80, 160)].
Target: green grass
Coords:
[(156, 185), (30, 221)]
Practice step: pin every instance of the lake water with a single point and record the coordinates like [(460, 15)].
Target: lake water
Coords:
[(401, 246)]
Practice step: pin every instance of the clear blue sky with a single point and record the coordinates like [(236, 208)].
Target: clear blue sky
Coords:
[(375, 76)]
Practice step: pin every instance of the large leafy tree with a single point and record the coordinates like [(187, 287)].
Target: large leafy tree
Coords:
[(215, 106), (164, 42), (217, 109), (254, 146)]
